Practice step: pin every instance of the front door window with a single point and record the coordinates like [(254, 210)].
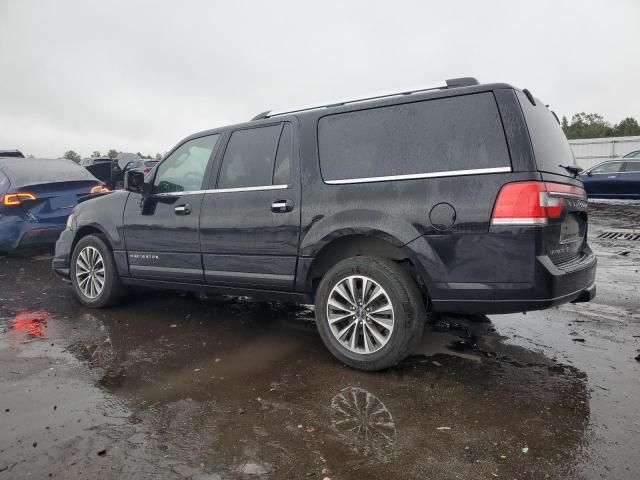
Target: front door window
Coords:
[(184, 169)]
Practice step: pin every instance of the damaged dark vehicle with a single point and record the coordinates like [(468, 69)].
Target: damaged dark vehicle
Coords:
[(451, 199)]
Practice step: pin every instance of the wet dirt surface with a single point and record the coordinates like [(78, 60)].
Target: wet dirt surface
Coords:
[(171, 385)]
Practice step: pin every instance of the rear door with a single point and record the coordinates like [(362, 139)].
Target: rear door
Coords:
[(629, 178), (162, 233), (250, 221), (603, 180)]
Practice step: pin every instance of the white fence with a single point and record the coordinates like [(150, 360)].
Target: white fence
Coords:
[(588, 152)]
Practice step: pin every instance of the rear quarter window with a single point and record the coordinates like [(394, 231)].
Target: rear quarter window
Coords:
[(431, 136), (550, 146), (4, 183)]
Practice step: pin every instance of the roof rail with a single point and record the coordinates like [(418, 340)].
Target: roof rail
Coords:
[(450, 83), (462, 82)]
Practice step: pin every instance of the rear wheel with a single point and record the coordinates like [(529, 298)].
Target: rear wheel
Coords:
[(93, 273), (369, 312)]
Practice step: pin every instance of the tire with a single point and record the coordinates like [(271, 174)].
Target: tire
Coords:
[(399, 328), (112, 290)]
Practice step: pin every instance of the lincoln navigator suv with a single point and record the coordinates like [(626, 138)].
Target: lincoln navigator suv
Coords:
[(461, 198)]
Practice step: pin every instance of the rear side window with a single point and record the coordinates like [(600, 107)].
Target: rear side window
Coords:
[(609, 167), (631, 167), (550, 146), (248, 159), (442, 135), (282, 166), (4, 183)]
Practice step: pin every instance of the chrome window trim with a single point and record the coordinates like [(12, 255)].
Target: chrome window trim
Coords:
[(414, 176), (222, 190)]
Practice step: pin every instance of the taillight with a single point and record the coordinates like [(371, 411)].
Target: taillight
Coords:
[(531, 203), (99, 189), (16, 198), (146, 170)]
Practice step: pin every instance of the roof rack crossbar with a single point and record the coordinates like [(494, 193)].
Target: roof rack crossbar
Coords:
[(450, 83)]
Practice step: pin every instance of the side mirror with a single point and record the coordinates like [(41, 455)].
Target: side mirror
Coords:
[(589, 173), (134, 181)]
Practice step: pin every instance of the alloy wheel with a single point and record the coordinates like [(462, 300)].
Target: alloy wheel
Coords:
[(360, 314), (90, 272)]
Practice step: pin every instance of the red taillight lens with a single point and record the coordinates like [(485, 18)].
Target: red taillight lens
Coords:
[(16, 198), (146, 170), (99, 189), (531, 203)]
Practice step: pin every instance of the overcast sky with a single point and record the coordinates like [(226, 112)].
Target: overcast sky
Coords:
[(140, 75)]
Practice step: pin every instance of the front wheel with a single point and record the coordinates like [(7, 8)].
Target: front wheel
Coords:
[(369, 312), (94, 277)]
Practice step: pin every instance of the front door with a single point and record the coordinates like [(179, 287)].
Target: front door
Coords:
[(250, 221), (630, 178), (162, 233)]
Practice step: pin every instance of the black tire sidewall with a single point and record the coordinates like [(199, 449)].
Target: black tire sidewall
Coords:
[(402, 293), (109, 292)]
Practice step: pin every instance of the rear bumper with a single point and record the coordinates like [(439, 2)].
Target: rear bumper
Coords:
[(62, 257), (551, 286), (15, 233)]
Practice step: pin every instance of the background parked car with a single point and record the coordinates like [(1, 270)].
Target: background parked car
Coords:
[(86, 162), (144, 166), (99, 167), (634, 154), (36, 198), (614, 178), (11, 153)]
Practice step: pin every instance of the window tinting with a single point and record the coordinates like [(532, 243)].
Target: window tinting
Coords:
[(248, 159), (184, 169), (611, 167), (550, 146), (282, 166), (456, 133)]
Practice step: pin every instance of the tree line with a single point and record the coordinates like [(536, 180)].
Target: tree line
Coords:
[(592, 125), (73, 155)]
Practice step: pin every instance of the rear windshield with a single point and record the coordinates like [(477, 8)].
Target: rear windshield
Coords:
[(442, 135), (550, 145), (31, 172)]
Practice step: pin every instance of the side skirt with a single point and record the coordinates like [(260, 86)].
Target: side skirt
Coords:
[(272, 295)]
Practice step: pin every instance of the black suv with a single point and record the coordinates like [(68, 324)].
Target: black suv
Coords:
[(452, 199)]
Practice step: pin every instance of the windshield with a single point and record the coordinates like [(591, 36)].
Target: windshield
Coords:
[(550, 146)]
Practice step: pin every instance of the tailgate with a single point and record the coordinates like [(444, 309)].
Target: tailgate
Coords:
[(54, 201), (565, 237)]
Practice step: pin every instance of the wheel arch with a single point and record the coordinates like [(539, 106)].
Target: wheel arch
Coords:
[(86, 230), (380, 244)]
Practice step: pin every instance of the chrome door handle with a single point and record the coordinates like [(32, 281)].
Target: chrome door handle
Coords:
[(612, 176), (183, 209), (282, 206)]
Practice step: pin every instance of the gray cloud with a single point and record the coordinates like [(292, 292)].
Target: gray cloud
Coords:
[(140, 75)]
